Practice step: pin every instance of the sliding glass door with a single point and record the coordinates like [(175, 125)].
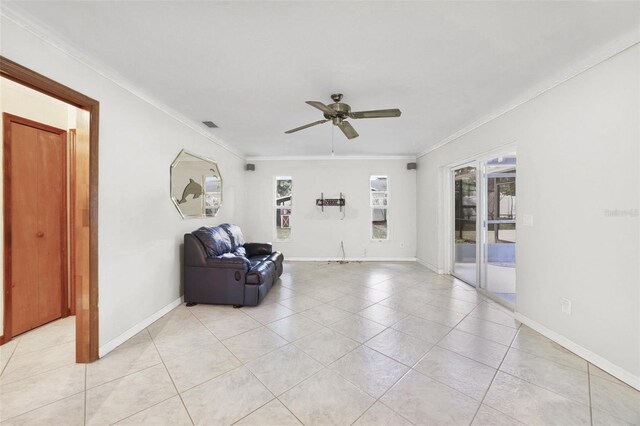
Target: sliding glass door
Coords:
[(499, 227), (465, 218), (484, 225)]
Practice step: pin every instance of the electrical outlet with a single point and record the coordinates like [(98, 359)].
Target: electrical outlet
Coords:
[(566, 305), (527, 220)]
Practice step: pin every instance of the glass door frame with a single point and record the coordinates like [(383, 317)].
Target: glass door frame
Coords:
[(481, 219), (451, 234), (484, 223)]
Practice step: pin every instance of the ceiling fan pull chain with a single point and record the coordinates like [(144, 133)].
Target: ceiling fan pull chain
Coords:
[(332, 130)]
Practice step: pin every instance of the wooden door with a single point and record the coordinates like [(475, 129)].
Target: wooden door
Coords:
[(35, 224)]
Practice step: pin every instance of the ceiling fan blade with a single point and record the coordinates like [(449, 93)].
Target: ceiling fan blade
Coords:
[(377, 113), (322, 107), (348, 130), (306, 125)]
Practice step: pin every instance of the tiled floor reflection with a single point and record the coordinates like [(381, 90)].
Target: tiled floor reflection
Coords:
[(361, 343)]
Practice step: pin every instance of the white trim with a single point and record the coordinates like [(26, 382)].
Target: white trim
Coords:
[(410, 158), (47, 35), (430, 266), (351, 259), (114, 343), (612, 49), (595, 359), (103, 70)]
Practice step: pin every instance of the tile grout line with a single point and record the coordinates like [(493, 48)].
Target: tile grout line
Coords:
[(170, 378), (10, 357), (538, 385), (436, 344), (242, 364), (85, 395), (410, 368), (128, 374), (589, 384), (383, 394), (401, 377), (326, 367), (360, 344), (493, 380), (42, 406), (31, 374)]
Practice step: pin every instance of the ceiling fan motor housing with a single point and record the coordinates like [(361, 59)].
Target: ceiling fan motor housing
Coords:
[(342, 110)]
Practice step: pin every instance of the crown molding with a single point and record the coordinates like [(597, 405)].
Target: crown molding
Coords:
[(48, 36), (11, 12), (601, 55), (332, 158)]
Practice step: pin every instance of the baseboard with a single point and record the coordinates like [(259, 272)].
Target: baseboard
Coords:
[(350, 259), (114, 343), (430, 266), (595, 359)]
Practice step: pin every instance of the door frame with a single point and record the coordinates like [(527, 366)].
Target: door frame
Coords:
[(87, 290), (452, 220), (447, 212), (483, 221), (7, 120)]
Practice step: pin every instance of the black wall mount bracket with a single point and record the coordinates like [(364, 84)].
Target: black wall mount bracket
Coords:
[(331, 202)]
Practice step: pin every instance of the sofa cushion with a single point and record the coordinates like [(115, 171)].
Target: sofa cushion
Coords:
[(256, 260), (240, 251), (215, 240), (228, 260), (235, 235), (258, 249), (261, 272)]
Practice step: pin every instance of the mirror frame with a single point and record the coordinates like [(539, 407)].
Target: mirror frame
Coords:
[(175, 162)]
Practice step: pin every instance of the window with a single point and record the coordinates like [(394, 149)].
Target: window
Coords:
[(283, 207), (379, 202)]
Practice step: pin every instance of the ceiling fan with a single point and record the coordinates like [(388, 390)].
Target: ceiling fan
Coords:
[(338, 113)]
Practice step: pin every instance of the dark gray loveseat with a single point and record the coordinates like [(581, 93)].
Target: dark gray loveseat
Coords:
[(220, 268)]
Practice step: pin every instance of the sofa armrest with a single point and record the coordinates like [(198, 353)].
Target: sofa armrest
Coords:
[(194, 253), (258, 249), (237, 262)]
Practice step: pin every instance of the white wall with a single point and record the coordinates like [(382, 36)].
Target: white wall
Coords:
[(580, 138), (318, 235), (140, 231)]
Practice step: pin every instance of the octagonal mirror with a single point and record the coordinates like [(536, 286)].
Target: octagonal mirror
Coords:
[(196, 186)]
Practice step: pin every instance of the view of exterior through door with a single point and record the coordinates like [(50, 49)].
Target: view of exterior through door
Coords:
[(484, 225), (465, 220), (35, 157), (499, 227)]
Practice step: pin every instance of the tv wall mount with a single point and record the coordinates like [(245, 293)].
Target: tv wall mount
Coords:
[(331, 202)]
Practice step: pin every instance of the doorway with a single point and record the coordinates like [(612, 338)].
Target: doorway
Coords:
[(498, 271), (483, 228), (465, 223), (35, 224), (83, 223)]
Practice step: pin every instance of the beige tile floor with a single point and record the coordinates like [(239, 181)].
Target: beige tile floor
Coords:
[(362, 343)]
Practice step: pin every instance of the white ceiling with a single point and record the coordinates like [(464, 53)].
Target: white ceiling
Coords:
[(249, 66)]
